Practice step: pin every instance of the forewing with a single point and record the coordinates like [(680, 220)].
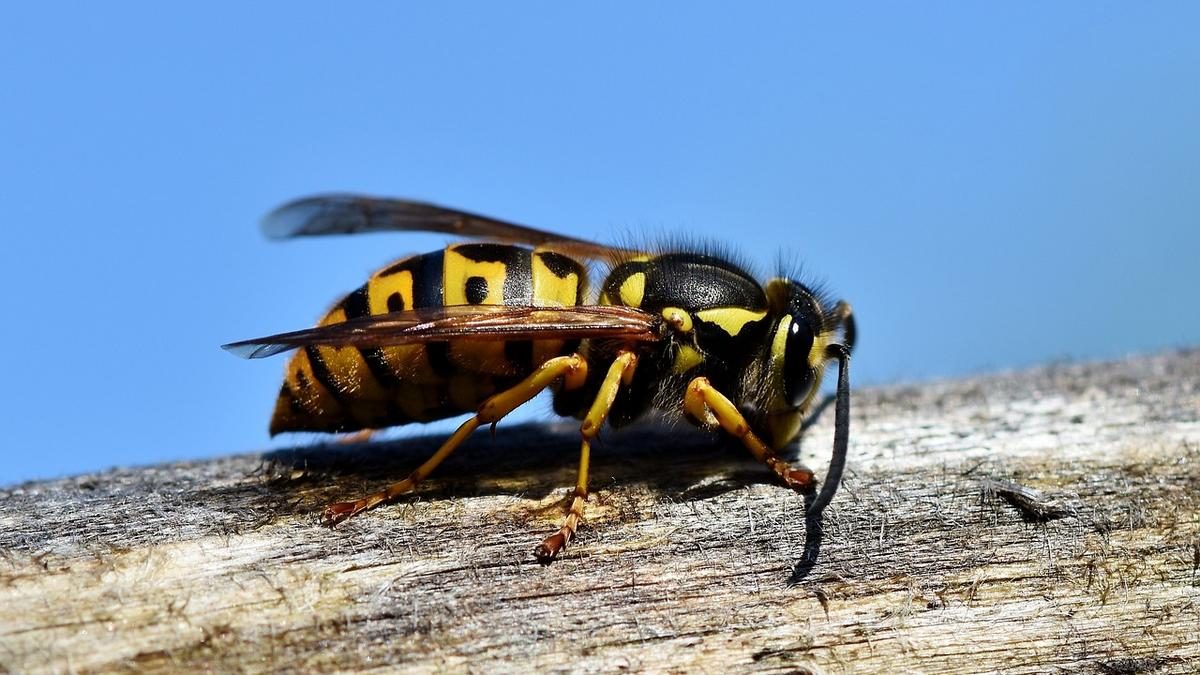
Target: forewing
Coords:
[(351, 214), (472, 322)]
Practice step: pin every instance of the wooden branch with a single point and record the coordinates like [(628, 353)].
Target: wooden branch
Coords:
[(1045, 521)]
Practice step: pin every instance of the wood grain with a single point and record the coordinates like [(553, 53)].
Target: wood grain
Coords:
[(1042, 521)]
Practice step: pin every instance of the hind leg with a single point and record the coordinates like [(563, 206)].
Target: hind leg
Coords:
[(573, 370)]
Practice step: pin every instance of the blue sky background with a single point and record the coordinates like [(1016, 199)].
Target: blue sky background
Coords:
[(992, 185)]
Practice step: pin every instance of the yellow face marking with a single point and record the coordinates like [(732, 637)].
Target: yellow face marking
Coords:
[(779, 343), (730, 319), (458, 268), (678, 318), (778, 349), (686, 359), (632, 289)]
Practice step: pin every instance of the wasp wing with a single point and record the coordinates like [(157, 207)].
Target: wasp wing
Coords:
[(466, 322), (351, 214)]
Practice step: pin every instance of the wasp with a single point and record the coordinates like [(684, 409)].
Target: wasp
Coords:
[(483, 327)]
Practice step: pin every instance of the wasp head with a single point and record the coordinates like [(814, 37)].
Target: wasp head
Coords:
[(805, 325)]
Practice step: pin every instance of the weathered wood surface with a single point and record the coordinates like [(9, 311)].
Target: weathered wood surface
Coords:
[(935, 556)]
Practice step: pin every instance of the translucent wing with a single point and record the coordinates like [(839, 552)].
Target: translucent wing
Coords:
[(468, 322), (351, 214)]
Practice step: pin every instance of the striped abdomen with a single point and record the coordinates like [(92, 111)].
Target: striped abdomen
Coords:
[(349, 388)]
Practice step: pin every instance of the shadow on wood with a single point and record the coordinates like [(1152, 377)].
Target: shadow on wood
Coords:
[(1039, 521)]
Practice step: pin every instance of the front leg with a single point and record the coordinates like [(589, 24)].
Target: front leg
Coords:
[(703, 403)]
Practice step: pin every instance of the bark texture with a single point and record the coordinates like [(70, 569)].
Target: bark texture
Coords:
[(1041, 521)]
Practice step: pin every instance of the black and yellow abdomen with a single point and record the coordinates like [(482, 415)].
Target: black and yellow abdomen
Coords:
[(351, 388)]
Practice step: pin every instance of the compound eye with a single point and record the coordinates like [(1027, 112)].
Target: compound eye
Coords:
[(797, 372)]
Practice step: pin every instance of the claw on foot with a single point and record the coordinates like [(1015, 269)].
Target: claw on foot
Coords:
[(336, 513), (800, 480), (548, 549)]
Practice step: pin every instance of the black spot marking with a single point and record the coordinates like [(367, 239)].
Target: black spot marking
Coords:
[(477, 290), (395, 302), (302, 381), (518, 268)]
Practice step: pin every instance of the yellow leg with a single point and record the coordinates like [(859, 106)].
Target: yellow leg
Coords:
[(573, 370), (620, 372), (710, 407)]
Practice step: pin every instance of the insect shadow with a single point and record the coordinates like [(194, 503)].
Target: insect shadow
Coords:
[(535, 460)]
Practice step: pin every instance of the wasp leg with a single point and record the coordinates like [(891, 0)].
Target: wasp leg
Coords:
[(573, 370), (550, 546), (355, 437), (620, 372), (710, 407)]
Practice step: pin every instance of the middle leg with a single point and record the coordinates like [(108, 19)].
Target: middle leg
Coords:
[(571, 369), (620, 372)]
